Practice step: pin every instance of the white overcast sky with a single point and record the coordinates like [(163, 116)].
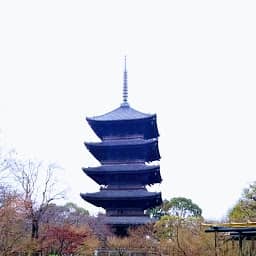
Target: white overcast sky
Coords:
[(193, 63)]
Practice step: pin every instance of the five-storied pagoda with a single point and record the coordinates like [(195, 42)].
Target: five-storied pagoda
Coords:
[(129, 145)]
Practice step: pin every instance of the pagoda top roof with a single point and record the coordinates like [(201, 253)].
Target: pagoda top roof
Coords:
[(124, 112)]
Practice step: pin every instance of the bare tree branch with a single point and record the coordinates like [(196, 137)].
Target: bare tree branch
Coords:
[(37, 183)]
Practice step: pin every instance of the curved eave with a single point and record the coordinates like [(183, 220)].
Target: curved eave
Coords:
[(124, 168), (123, 199), (125, 151), (124, 112), (144, 118), (103, 176), (145, 127)]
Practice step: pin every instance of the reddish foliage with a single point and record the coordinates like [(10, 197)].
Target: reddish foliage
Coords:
[(63, 239)]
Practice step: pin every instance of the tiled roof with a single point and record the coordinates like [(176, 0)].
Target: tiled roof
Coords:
[(114, 194), (122, 113), (124, 142), (123, 168)]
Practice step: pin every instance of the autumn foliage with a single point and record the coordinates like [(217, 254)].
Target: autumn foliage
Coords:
[(59, 239), (31, 223), (64, 239)]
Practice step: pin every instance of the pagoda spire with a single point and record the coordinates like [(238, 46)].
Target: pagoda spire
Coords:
[(125, 86)]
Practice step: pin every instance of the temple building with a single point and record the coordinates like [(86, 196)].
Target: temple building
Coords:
[(126, 152)]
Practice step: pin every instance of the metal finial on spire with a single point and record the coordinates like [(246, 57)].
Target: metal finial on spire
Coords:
[(125, 86)]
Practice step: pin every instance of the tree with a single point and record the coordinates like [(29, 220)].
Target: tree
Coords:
[(64, 225), (76, 215), (245, 208), (159, 211), (141, 240), (177, 206), (180, 216), (183, 237), (36, 182), (66, 239), (73, 215), (69, 213), (12, 224), (182, 207), (4, 164)]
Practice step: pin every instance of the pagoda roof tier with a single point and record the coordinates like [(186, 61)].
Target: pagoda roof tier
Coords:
[(124, 151), (134, 198), (124, 122), (125, 174)]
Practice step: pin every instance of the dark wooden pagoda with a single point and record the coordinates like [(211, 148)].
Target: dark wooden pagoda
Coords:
[(129, 145)]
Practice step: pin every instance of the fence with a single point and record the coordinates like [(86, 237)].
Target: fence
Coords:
[(123, 252)]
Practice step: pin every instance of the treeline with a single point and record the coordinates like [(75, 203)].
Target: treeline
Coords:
[(32, 222), (180, 230)]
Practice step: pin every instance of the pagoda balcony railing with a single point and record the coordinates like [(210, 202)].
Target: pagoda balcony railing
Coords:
[(115, 162), (127, 137), (126, 212), (124, 187)]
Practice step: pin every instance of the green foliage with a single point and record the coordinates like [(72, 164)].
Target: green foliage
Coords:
[(156, 212), (182, 236), (183, 207), (250, 193), (75, 208), (245, 208), (178, 206), (164, 228)]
